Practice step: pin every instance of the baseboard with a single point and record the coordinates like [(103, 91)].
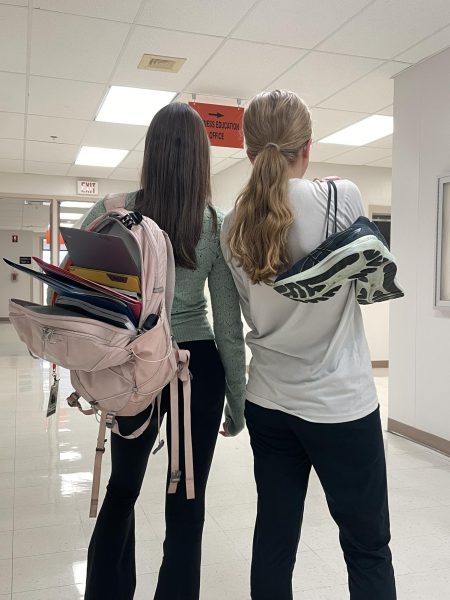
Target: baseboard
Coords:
[(380, 364), (421, 437)]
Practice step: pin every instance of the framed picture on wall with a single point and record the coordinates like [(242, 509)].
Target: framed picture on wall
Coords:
[(442, 288)]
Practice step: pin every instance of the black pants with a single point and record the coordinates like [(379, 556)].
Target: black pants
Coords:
[(350, 463), (111, 570)]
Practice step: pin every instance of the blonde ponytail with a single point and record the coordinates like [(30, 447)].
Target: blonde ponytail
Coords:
[(276, 126)]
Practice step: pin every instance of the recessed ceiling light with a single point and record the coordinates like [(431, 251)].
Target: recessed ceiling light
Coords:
[(361, 133), (73, 204), (132, 106), (71, 216), (100, 157)]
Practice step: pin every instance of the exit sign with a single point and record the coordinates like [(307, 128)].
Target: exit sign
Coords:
[(87, 188)]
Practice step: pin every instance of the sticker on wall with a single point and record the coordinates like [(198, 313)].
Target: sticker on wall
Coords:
[(25, 260)]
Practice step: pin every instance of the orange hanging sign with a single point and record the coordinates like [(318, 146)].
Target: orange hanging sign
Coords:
[(223, 123)]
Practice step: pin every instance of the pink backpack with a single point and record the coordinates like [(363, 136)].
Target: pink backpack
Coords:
[(118, 371)]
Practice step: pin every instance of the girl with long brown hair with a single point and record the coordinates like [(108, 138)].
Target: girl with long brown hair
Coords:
[(311, 399), (176, 194)]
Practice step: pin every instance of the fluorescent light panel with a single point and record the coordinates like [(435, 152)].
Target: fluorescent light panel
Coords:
[(70, 216), (132, 106), (363, 132), (100, 157), (74, 204), (66, 224)]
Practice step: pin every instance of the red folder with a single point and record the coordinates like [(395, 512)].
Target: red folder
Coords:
[(134, 304)]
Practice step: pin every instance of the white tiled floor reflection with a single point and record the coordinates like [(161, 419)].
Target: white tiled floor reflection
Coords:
[(45, 477)]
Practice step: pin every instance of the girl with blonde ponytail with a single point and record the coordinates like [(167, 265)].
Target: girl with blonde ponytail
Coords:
[(311, 398), (258, 236)]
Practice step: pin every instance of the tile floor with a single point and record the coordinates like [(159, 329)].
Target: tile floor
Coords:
[(45, 477)]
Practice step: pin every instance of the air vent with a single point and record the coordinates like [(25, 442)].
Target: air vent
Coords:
[(168, 64)]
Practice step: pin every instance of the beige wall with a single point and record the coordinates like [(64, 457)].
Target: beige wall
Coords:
[(420, 335)]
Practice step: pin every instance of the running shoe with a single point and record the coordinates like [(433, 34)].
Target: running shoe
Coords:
[(359, 253)]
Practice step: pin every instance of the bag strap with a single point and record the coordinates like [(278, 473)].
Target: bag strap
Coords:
[(99, 451), (331, 188), (170, 277), (175, 474)]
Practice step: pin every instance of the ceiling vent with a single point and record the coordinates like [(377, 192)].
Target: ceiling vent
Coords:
[(168, 64)]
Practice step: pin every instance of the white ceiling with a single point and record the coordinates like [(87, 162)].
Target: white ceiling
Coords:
[(58, 58)]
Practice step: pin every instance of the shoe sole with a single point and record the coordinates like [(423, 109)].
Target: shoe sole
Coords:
[(368, 256)]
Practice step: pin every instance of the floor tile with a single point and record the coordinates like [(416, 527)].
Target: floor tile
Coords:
[(50, 570), (5, 576), (48, 540), (6, 544)]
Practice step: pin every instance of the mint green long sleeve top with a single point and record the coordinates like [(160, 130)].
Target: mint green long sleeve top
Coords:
[(190, 309)]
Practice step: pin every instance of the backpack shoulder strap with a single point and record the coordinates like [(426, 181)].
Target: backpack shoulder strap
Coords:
[(112, 201), (332, 192), (170, 276)]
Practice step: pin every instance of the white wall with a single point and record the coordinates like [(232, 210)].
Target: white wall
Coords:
[(25, 287), (375, 186), (420, 336), (50, 185)]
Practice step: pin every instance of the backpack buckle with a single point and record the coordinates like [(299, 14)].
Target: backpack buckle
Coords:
[(175, 477), (110, 420), (130, 219)]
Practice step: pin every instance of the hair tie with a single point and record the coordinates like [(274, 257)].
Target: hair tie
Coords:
[(272, 144)]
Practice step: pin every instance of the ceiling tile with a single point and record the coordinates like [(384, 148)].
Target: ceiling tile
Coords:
[(386, 28), (196, 48), (241, 69), (435, 43), (209, 99), (383, 162), (360, 156), (326, 121), (219, 152), (51, 152), (215, 160), (240, 153), (299, 23), (133, 160), (12, 125), (199, 16), (85, 171), (13, 35), (369, 94), (11, 166), (115, 10), (64, 98), (11, 149), (385, 142), (389, 111), (72, 47), (335, 72), (12, 92), (113, 135), (141, 145), (67, 131), (323, 152), (127, 175), (226, 164), (46, 168)]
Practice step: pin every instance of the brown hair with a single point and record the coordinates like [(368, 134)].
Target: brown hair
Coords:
[(175, 180), (277, 125)]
